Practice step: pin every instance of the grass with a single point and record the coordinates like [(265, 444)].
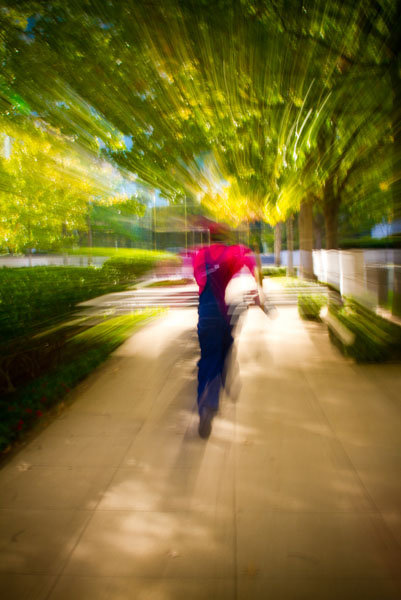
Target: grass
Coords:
[(273, 271), (117, 252), (294, 282), (170, 282)]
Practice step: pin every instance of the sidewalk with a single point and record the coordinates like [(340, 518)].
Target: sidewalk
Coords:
[(297, 493)]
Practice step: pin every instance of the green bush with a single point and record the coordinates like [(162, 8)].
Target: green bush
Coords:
[(274, 271), (129, 268), (310, 305), (375, 338)]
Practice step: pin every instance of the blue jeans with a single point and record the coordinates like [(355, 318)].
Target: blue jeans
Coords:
[(215, 340)]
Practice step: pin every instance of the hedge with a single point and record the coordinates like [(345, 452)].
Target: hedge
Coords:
[(368, 242), (127, 269), (33, 297)]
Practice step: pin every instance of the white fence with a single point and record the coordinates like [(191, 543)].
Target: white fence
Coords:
[(367, 275), (57, 260)]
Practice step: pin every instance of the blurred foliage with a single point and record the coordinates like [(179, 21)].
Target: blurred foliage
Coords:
[(119, 220), (368, 242), (248, 106), (46, 183)]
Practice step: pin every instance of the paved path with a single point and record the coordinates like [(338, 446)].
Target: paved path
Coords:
[(297, 493)]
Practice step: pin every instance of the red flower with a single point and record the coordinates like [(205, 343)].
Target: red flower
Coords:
[(28, 410), (20, 424), (39, 413)]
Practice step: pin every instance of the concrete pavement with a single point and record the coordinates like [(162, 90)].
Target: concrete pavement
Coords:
[(297, 493)]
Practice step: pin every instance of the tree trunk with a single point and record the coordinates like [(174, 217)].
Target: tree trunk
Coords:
[(394, 71), (396, 186), (331, 226), (277, 244), (290, 246), (318, 224), (331, 209), (257, 236), (396, 132), (394, 49), (306, 239)]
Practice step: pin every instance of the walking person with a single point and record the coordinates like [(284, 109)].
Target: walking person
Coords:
[(214, 267)]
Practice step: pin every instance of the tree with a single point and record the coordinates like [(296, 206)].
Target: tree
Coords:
[(46, 185), (355, 56), (306, 245), (164, 91)]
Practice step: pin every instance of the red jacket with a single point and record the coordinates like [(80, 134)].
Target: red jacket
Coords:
[(224, 261)]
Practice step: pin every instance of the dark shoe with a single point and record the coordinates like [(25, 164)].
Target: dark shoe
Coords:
[(205, 422)]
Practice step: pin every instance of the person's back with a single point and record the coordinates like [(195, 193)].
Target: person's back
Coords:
[(214, 267), (217, 265)]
